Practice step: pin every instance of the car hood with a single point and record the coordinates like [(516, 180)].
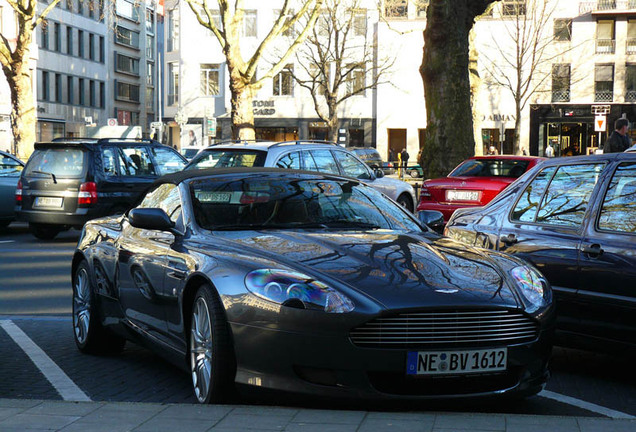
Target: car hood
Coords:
[(398, 270)]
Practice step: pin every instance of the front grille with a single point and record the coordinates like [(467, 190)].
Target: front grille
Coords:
[(446, 328)]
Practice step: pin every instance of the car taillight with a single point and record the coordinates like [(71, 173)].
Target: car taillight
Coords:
[(87, 194), (425, 195), (18, 192)]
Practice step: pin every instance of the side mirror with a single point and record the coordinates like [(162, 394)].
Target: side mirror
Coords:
[(432, 219), (378, 172), (152, 219)]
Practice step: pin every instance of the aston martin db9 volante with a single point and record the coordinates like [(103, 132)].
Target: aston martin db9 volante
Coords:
[(310, 283)]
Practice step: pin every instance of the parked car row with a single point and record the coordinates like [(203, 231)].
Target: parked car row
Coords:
[(10, 170)]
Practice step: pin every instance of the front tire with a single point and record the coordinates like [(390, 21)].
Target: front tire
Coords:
[(405, 202), (89, 334), (211, 358)]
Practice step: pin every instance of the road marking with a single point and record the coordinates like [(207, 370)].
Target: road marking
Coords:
[(56, 376), (7, 241), (586, 405)]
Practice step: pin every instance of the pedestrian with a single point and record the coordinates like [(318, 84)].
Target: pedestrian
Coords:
[(492, 150), (524, 152), (549, 150), (618, 140), (405, 158), (391, 157), (193, 139)]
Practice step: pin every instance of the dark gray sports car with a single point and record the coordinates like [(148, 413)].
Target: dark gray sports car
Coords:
[(309, 283)]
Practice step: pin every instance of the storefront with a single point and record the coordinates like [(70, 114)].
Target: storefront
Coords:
[(570, 128)]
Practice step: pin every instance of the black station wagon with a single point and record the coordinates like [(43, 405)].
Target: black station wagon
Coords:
[(69, 181), (575, 220)]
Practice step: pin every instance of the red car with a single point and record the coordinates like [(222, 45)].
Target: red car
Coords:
[(474, 182)]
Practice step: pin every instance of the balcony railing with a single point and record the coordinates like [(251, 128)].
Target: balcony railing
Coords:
[(605, 46), (630, 96), (631, 46), (603, 96), (560, 95), (606, 5)]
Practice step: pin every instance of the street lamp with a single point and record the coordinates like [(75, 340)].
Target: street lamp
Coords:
[(182, 119)]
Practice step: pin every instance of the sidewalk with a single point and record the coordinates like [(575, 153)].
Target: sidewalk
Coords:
[(25, 415)]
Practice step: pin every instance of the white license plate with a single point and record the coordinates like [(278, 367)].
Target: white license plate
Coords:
[(48, 202), (456, 362), (459, 195)]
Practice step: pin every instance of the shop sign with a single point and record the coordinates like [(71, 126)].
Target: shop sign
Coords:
[(263, 108), (498, 117)]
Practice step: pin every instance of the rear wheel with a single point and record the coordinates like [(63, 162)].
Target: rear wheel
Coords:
[(90, 336), (44, 231), (211, 359), (415, 173), (405, 202)]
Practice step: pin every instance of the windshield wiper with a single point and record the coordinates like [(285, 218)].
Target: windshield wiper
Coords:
[(46, 174)]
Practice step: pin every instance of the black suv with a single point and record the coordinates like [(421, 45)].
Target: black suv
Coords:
[(69, 181)]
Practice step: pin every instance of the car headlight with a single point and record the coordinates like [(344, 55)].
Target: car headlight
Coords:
[(285, 287), (531, 285)]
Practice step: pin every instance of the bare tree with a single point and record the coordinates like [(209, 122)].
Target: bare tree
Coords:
[(225, 19), (15, 56), (338, 60), (522, 61)]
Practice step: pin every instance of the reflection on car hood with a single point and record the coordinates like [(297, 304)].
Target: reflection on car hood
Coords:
[(396, 269)]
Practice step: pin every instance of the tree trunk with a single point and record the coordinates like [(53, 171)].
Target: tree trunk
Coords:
[(242, 110), (333, 122), (23, 115), (449, 123)]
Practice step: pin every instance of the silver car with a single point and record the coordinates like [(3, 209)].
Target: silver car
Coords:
[(10, 169), (303, 155)]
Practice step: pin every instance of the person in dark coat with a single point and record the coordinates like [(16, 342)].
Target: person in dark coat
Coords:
[(405, 158), (618, 140)]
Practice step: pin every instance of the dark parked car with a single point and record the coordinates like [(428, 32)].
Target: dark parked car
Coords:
[(69, 181), (575, 220), (473, 183), (10, 169), (310, 283)]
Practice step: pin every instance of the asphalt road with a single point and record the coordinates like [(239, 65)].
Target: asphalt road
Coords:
[(39, 359)]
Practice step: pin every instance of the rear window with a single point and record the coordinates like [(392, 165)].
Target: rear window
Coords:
[(61, 162), (490, 168), (227, 158)]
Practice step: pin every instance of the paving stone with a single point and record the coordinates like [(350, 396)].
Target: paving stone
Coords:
[(396, 425), (471, 422), (26, 421), (329, 417)]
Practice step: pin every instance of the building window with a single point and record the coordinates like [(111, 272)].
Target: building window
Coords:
[(150, 21), (209, 79), (631, 36), (92, 96), (150, 47), (421, 6), (44, 43), (284, 82), (127, 92), (91, 9), (605, 43), (513, 7), (630, 83), (356, 81), (396, 8), (69, 5), (249, 24), (102, 54), (82, 91), (318, 78), (173, 30), (80, 7), (561, 83), (80, 43), (124, 36), (126, 64), (150, 73), (563, 29), (173, 83), (150, 98), (69, 40), (57, 37), (604, 83), (91, 46), (127, 9), (69, 90), (359, 17), (45, 85), (58, 88)]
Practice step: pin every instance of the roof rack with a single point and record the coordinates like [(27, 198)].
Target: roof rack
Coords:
[(297, 142), (87, 140), (239, 141)]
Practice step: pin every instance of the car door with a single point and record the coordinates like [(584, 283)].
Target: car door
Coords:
[(546, 225), (606, 298), (139, 173), (114, 192), (142, 266)]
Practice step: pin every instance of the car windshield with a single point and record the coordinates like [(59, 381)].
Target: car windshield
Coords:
[(60, 162), (225, 158), (490, 168), (293, 203)]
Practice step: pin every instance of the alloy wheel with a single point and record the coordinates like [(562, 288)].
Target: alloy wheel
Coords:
[(201, 349), (81, 305)]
